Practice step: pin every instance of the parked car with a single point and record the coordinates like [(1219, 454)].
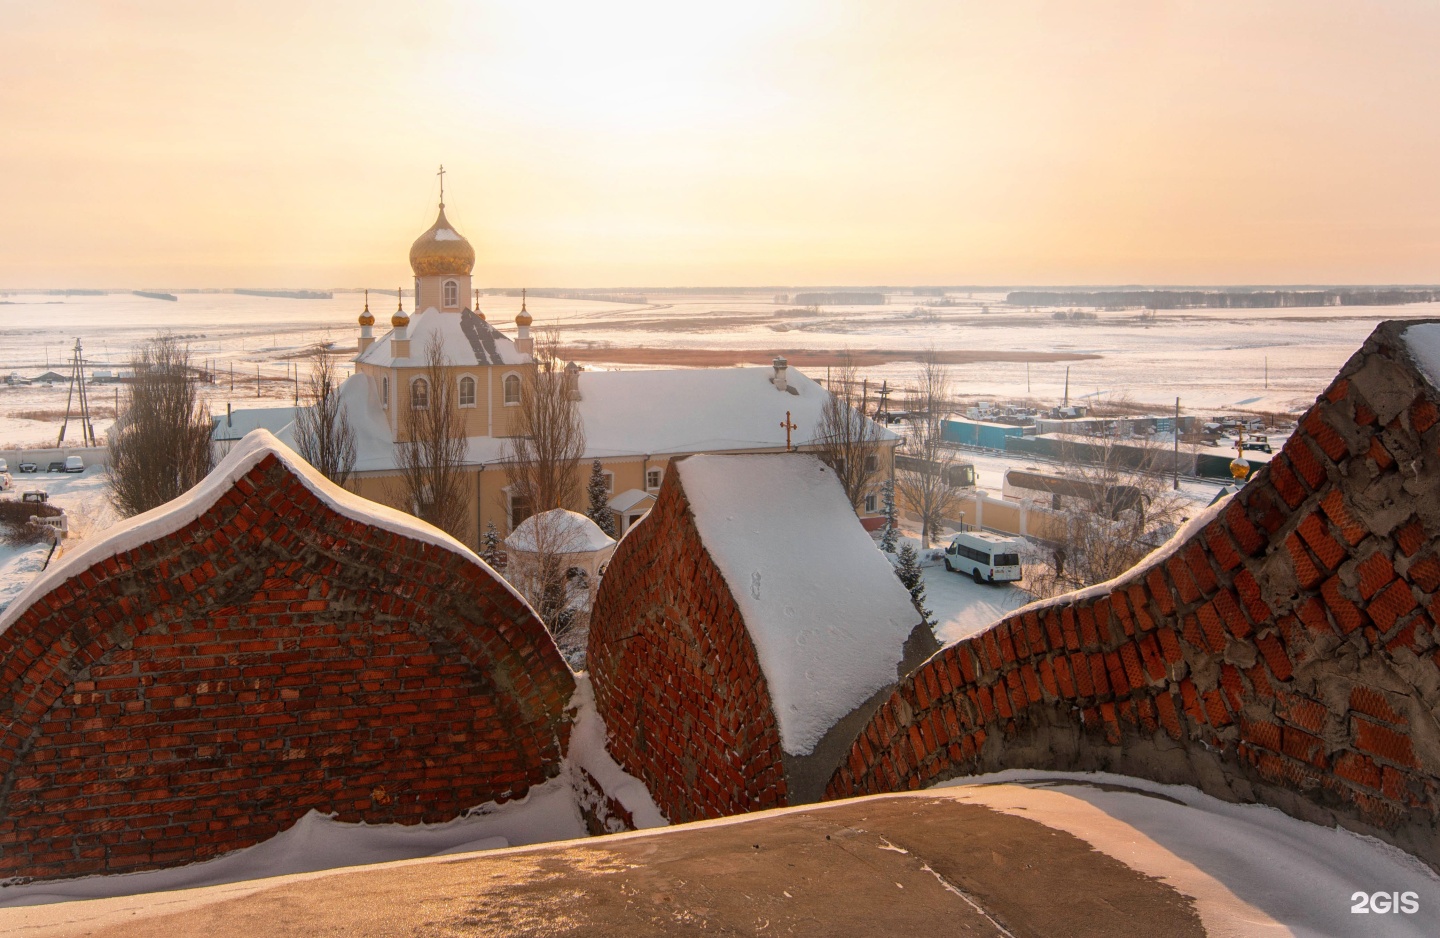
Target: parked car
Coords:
[(4, 466), (74, 464), (57, 465), (986, 557), (28, 466)]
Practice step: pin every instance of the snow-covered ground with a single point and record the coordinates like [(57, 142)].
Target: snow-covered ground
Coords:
[(84, 498), (1214, 360)]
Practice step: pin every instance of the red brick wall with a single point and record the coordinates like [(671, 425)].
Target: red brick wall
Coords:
[(203, 691), (1287, 654), (676, 678)]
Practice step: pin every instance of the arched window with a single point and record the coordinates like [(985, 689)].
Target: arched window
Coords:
[(512, 390), (384, 392), (420, 394), (467, 391), (451, 294)]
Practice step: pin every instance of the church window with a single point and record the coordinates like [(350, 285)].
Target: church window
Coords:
[(451, 294), (420, 394), (467, 391), (653, 477), (512, 390), (872, 463)]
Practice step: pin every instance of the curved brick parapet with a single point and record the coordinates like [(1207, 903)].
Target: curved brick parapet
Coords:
[(268, 645), (677, 682), (731, 669), (1283, 649)]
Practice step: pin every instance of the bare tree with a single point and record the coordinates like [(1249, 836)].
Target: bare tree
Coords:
[(432, 445), (849, 441), (546, 563), (542, 458), (160, 445), (1115, 505), (922, 468), (322, 430)]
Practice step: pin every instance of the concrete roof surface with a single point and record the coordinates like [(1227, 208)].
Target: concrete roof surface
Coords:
[(934, 862)]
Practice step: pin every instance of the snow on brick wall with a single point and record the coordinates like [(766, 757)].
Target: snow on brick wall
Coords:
[(676, 678), (1284, 651), (271, 645), (731, 667)]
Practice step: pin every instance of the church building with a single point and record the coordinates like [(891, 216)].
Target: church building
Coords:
[(635, 422)]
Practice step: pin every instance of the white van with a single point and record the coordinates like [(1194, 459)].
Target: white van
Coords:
[(988, 558), (74, 464)]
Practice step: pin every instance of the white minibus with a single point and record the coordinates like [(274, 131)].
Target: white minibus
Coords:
[(988, 558)]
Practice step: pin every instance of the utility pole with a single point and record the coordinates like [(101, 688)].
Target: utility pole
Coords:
[(1177, 444), (77, 390)]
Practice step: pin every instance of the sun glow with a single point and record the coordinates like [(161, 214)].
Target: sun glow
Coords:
[(790, 141)]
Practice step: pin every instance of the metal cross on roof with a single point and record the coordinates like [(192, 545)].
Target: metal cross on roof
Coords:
[(787, 426)]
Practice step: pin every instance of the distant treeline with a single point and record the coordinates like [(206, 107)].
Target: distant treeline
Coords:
[(631, 298), (1223, 299), (288, 294), (838, 299)]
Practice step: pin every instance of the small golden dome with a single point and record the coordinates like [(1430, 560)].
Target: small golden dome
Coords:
[(1239, 467), (524, 318), (399, 318), (442, 251), (367, 318)]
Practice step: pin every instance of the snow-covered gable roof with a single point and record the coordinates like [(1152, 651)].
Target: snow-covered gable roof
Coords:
[(629, 499), (561, 531), (177, 513), (695, 410), (469, 341), (822, 604), (279, 421)]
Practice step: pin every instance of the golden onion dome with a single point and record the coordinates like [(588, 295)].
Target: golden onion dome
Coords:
[(442, 251), (399, 317), (367, 318), (524, 318)]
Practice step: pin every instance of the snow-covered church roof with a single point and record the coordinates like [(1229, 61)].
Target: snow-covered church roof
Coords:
[(696, 410), (624, 413), (469, 341)]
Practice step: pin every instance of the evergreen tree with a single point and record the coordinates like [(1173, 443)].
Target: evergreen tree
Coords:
[(887, 502), (908, 570), (599, 510), (490, 551)]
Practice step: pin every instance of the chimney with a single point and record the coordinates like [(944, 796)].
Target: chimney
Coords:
[(572, 381), (778, 379)]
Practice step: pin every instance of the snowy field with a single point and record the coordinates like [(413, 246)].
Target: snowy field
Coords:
[(1214, 360)]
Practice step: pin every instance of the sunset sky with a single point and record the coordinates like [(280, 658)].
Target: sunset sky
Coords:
[(189, 144)]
